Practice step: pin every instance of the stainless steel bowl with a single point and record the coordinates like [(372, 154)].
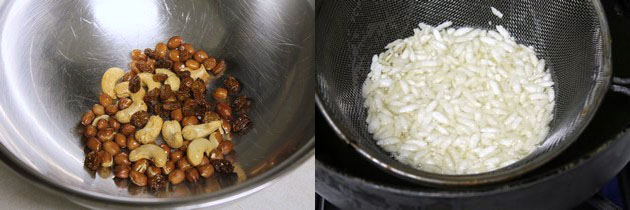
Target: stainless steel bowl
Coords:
[(53, 53)]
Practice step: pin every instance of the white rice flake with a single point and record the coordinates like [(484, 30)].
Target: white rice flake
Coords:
[(496, 12), (458, 100)]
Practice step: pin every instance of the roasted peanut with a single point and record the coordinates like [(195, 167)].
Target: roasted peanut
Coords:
[(106, 134), (173, 55), (206, 170), (132, 143), (137, 54), (93, 144), (200, 56), (160, 50), (225, 147), (219, 94), (153, 171), (106, 159), (127, 129), (98, 110), (122, 171), (111, 109), (122, 159), (177, 115), (114, 124), (216, 154), (102, 124), (183, 164), (176, 155), (192, 175), (224, 110), (209, 63), (121, 140), (169, 167), (111, 147), (87, 118), (177, 176), (190, 120), (192, 64), (141, 165), (90, 131), (138, 178), (174, 42), (124, 103)]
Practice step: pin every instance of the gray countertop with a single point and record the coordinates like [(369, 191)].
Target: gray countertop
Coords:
[(295, 190)]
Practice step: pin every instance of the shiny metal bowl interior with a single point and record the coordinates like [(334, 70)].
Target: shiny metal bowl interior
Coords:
[(53, 54), (571, 36)]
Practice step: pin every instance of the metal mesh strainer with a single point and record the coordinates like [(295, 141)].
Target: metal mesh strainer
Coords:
[(572, 36)]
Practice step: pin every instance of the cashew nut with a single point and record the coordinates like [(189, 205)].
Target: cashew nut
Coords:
[(124, 116), (172, 79), (149, 151), (191, 132), (199, 73), (111, 76), (146, 79), (172, 134), (150, 131), (106, 117), (197, 148), (122, 89)]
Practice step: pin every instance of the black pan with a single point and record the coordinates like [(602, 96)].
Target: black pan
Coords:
[(347, 180)]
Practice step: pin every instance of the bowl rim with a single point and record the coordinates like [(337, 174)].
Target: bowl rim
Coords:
[(90, 198), (201, 200), (594, 99)]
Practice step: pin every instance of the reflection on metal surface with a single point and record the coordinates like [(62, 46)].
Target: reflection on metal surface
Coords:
[(53, 54)]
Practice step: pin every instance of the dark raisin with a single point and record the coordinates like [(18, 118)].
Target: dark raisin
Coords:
[(210, 116), (160, 77), (92, 161), (171, 99), (163, 63), (144, 67), (199, 96), (198, 86), (134, 84), (182, 74), (187, 82), (190, 107), (157, 182), (150, 53), (151, 98), (227, 180), (232, 85), (241, 104), (171, 106), (204, 106), (241, 124), (182, 95), (139, 119), (222, 166), (166, 92)]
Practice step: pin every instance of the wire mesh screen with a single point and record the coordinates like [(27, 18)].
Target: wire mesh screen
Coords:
[(569, 35)]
